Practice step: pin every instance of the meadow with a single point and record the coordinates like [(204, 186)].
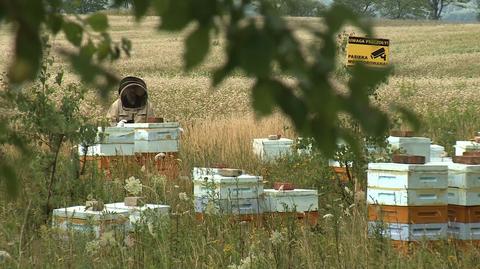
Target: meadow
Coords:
[(437, 75)]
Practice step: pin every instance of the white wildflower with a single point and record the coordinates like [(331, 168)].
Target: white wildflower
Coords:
[(92, 247), (133, 186), (276, 238), (107, 239), (328, 216), (183, 196), (348, 191), (211, 209)]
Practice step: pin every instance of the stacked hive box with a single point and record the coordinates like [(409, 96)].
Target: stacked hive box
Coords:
[(80, 219), (139, 214), (114, 144), (465, 146), (300, 202), (419, 146), (464, 201), (154, 138), (270, 149), (217, 193), (140, 142), (408, 202)]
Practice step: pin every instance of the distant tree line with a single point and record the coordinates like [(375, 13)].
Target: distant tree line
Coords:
[(406, 9), (392, 9)]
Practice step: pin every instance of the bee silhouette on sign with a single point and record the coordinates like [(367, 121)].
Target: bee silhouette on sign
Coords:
[(380, 53)]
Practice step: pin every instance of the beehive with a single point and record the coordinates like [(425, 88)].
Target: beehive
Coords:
[(412, 145), (200, 172), (220, 187), (411, 197), (464, 176), (407, 176), (465, 146), (409, 232), (156, 137), (436, 153), (107, 150), (116, 135), (148, 212), (236, 206), (79, 219), (464, 197), (267, 149), (464, 231), (297, 200), (408, 214)]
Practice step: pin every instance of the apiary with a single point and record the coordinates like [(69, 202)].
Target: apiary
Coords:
[(78, 218), (297, 200), (268, 149), (236, 206), (464, 214), (464, 231), (116, 135), (407, 176), (108, 150), (464, 197), (465, 146), (410, 197), (408, 214), (464, 176), (147, 212), (412, 145), (156, 137), (200, 172), (222, 187), (409, 232)]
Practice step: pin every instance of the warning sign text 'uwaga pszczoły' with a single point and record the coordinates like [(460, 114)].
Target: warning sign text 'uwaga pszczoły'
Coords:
[(370, 51)]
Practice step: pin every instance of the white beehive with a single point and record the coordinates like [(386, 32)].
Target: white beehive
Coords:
[(464, 197), (156, 137), (108, 150), (116, 135), (437, 153), (464, 231), (463, 146), (407, 197), (140, 213), (268, 149), (299, 200), (407, 176), (412, 145), (200, 172), (220, 187), (464, 176), (409, 232), (98, 222), (227, 206)]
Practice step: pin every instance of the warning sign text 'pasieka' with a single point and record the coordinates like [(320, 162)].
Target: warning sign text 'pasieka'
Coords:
[(370, 51)]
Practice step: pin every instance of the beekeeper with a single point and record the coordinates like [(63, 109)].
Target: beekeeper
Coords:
[(132, 105)]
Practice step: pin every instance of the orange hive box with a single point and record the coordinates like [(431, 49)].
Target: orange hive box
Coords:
[(167, 164), (310, 218), (408, 214), (464, 214), (340, 173)]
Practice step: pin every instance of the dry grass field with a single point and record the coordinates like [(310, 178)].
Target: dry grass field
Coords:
[(437, 74)]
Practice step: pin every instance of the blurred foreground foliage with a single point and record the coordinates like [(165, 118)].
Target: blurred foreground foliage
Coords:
[(263, 47)]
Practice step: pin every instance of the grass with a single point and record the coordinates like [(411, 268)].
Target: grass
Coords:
[(436, 74)]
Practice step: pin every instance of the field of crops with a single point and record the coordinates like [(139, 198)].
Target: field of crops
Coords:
[(437, 74)]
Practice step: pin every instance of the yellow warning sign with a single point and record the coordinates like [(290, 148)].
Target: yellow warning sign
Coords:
[(370, 51)]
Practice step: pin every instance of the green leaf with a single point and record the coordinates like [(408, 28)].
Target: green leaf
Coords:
[(197, 45), (140, 7), (177, 16), (263, 97), (54, 23), (256, 50), (409, 116), (126, 46), (98, 22), (7, 173), (73, 33), (28, 55)]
